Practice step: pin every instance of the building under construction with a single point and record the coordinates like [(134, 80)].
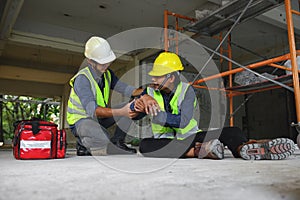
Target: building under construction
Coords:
[(241, 57)]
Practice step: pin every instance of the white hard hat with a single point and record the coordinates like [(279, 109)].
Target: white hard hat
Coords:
[(98, 49)]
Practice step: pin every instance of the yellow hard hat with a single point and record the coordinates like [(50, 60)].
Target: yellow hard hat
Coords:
[(166, 63), (98, 49)]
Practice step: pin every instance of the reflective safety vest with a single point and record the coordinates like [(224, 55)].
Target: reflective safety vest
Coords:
[(75, 110), (160, 131)]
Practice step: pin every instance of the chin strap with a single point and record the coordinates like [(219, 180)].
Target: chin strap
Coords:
[(163, 83)]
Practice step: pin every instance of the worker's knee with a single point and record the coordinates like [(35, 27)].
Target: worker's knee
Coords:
[(92, 135)]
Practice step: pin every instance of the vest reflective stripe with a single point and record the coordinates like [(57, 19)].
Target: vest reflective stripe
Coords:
[(75, 109), (74, 102), (165, 135), (160, 131)]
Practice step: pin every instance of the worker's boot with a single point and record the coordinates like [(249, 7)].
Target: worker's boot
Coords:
[(275, 149), (82, 150), (119, 147), (212, 149)]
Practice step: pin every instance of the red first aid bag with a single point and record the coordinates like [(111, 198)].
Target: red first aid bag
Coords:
[(37, 139), (61, 144)]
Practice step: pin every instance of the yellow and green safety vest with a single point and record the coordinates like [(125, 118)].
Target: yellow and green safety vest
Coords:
[(160, 131), (75, 110)]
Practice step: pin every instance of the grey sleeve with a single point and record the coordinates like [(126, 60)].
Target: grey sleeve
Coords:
[(82, 88), (124, 89), (120, 86), (187, 107)]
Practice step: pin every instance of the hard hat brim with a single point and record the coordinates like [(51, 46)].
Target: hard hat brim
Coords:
[(108, 59), (161, 71)]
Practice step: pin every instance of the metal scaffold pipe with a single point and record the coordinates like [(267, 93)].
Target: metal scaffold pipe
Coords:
[(291, 36)]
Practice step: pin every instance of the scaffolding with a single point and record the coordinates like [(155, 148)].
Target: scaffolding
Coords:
[(227, 16)]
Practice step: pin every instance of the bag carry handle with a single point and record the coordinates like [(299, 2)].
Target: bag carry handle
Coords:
[(34, 124), (35, 127)]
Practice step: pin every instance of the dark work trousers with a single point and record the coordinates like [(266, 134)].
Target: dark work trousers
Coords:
[(123, 125), (232, 137)]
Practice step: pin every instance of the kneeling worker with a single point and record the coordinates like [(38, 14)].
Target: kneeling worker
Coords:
[(88, 113)]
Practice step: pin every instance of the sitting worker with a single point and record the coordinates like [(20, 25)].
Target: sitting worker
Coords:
[(175, 131), (88, 113)]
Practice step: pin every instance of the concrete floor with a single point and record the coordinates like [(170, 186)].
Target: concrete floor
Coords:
[(135, 177)]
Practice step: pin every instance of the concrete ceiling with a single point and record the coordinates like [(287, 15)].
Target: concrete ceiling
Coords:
[(41, 41)]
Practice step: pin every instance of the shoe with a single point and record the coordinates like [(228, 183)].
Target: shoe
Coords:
[(275, 149), (82, 150), (213, 149), (119, 147)]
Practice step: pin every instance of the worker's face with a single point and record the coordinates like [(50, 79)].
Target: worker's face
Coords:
[(158, 80), (102, 67), (99, 68)]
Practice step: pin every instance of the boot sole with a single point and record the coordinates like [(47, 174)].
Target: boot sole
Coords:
[(115, 150), (216, 148), (276, 149)]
